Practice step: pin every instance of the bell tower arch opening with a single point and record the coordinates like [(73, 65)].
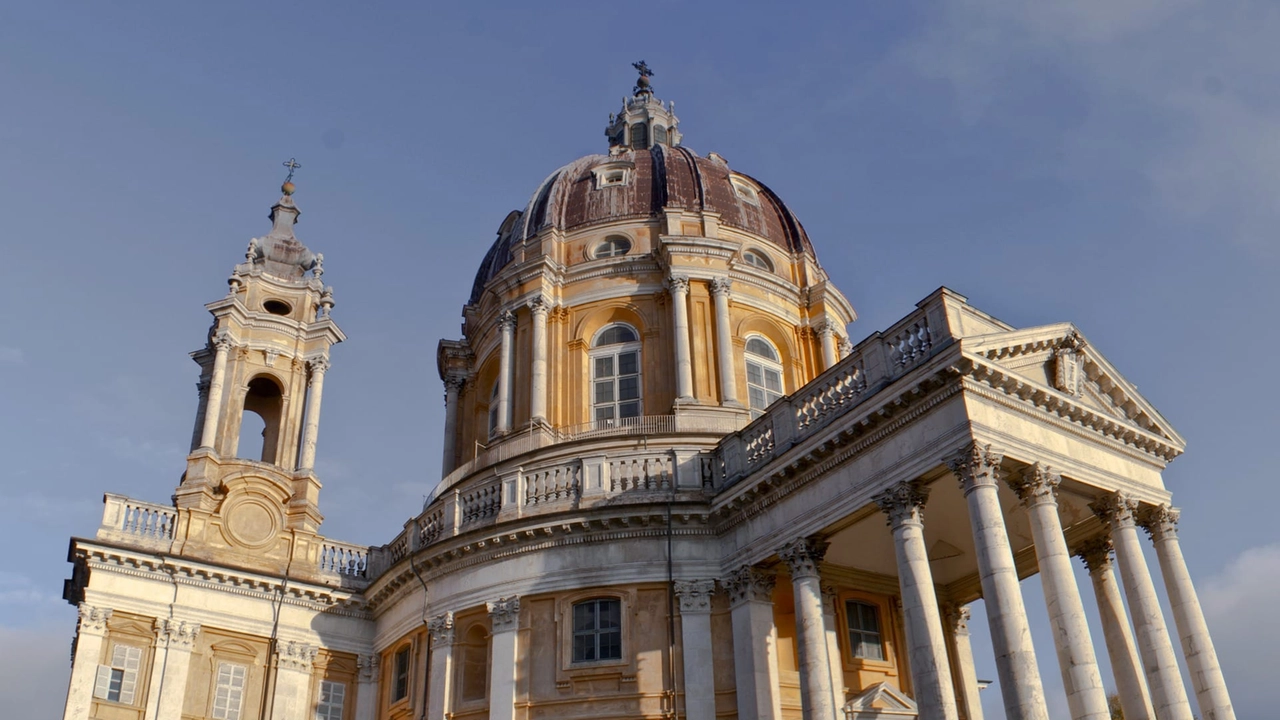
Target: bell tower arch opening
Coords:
[(262, 413)]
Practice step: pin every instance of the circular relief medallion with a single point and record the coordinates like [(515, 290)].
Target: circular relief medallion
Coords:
[(252, 523)]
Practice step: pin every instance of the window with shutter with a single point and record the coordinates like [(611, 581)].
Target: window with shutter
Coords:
[(118, 682)]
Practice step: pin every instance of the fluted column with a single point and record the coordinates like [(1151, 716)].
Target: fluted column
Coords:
[(827, 332), (755, 643), (311, 428), (90, 634), (538, 309), (720, 289), (1125, 665), (1161, 523), (679, 287), (1037, 487), (1164, 681), (926, 648), (694, 597), (504, 620), (368, 675), (978, 468), (440, 674), (956, 624), (802, 557), (291, 696), (830, 608), (213, 407), (507, 326), (452, 386)]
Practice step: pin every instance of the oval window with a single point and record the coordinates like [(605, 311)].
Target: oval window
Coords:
[(277, 307), (613, 246)]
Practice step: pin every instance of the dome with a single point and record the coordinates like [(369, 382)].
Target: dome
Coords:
[(636, 184)]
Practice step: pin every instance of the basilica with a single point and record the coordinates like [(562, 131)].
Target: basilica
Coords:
[(672, 486)]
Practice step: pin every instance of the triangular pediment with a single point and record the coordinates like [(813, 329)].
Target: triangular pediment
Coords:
[(881, 700), (1060, 359)]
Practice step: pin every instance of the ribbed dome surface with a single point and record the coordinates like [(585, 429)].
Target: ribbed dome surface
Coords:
[(661, 177)]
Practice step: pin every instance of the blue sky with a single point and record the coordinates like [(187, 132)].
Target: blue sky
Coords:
[(1112, 163)]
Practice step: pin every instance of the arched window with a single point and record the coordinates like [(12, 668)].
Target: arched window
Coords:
[(615, 376), (660, 134), (764, 374), (758, 259), (612, 246), (264, 399), (475, 664), (493, 410), (639, 136), (597, 630)]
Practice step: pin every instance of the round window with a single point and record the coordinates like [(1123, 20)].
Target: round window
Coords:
[(277, 307), (612, 246)]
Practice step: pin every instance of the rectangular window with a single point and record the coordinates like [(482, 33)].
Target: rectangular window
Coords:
[(332, 697), (228, 694), (864, 630), (597, 630), (616, 388), (400, 686), (118, 682)]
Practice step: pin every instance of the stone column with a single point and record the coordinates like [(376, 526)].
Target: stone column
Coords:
[(1164, 680), (830, 607), (212, 408), (291, 696), (679, 287), (168, 686), (1037, 486), (694, 597), (452, 386), (507, 326), (368, 675), (538, 308), (1197, 647), (1125, 665), (90, 634), (504, 620), (956, 619), (926, 648), (845, 347), (311, 429), (978, 468), (720, 288), (440, 674), (827, 331), (755, 643), (802, 557)]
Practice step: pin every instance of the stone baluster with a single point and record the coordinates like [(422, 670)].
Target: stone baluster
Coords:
[(1164, 681), (440, 674), (1197, 647), (539, 307), (1037, 487), (1125, 665), (720, 291), (694, 597), (311, 428), (507, 326), (926, 648), (291, 696), (213, 407), (504, 620), (978, 468), (91, 633), (802, 557), (755, 643), (452, 386), (679, 287)]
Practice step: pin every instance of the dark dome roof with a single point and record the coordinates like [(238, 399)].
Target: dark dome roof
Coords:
[(661, 176)]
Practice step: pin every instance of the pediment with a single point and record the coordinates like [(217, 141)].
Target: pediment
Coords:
[(1059, 358), (881, 700)]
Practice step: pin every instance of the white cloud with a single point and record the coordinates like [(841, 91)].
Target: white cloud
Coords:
[(1239, 605)]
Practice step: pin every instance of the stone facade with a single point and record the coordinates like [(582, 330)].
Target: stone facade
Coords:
[(695, 498)]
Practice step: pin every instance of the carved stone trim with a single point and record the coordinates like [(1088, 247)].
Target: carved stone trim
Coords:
[(1160, 521), (803, 555), (957, 618), (903, 503), (295, 656), (369, 668), (454, 382), (1096, 553), (441, 629), (504, 613), (721, 286), (749, 584), (1117, 509), (694, 595), (94, 619), (1036, 484), (176, 634), (506, 320), (318, 365), (539, 306), (678, 284), (976, 465)]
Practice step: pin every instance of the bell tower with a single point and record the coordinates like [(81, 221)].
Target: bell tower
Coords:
[(250, 482)]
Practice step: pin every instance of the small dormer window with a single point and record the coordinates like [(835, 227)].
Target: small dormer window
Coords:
[(612, 246), (757, 259), (745, 191), (613, 177), (612, 174)]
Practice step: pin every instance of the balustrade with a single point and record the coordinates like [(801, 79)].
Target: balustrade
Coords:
[(481, 503), (549, 484), (343, 559), (129, 520), (653, 472)]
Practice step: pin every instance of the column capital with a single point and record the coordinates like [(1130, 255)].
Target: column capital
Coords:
[(295, 656), (830, 599), (441, 629), (1096, 553), (1116, 509), (506, 320), (678, 284), (695, 595), (454, 382), (1036, 484), (903, 503), (94, 619), (803, 555), (318, 365), (1160, 521), (826, 327), (749, 584), (368, 668), (721, 286), (957, 616), (176, 634), (976, 465), (222, 342), (504, 613), (539, 305), (845, 347)]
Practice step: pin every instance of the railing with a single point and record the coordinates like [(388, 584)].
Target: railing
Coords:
[(480, 503), (344, 559), (653, 472), (136, 521), (551, 484)]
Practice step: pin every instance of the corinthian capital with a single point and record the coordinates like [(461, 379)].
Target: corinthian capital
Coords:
[(976, 465), (1160, 521), (694, 595), (93, 619), (295, 656), (318, 365), (1116, 509), (454, 382), (506, 320), (539, 305), (957, 616), (1036, 484), (176, 634), (368, 667), (803, 555), (750, 583), (504, 613), (903, 503), (222, 342), (678, 284), (721, 286), (441, 629), (1096, 553)]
